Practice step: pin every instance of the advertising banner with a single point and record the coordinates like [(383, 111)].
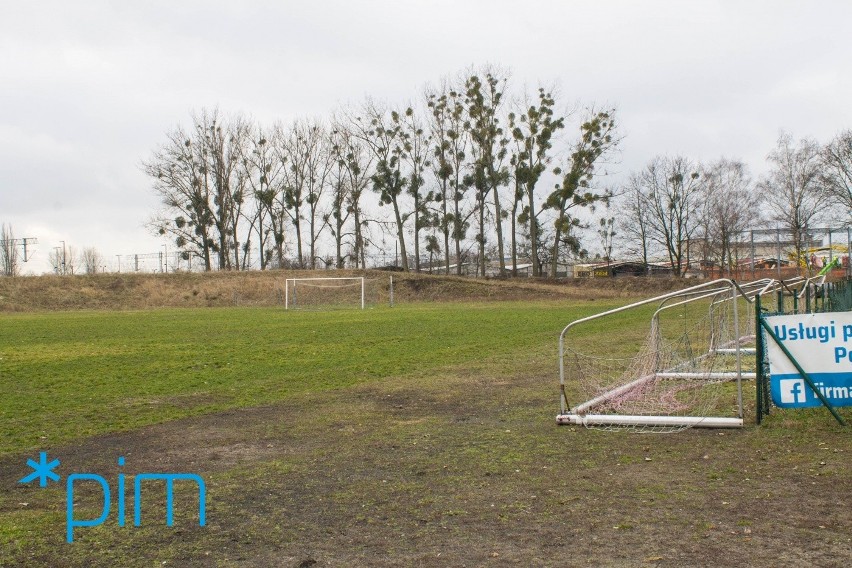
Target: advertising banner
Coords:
[(822, 345)]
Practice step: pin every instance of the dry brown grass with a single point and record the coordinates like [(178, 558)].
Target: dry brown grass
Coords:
[(144, 291)]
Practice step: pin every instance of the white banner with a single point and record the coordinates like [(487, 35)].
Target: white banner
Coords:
[(822, 345)]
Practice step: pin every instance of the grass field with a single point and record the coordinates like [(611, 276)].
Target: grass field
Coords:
[(75, 374), (421, 435)]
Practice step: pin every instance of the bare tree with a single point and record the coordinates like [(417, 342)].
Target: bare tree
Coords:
[(792, 189), (634, 219), (308, 165), (178, 172), (837, 174), (226, 147), (9, 265), (355, 162), (597, 140), (63, 260), (417, 143), (200, 181), (91, 260), (382, 132), (730, 207), (264, 176), (671, 191), (606, 233), (72, 261), (8, 251), (483, 104), (339, 215), (533, 130), (56, 258), (320, 165), (449, 150)]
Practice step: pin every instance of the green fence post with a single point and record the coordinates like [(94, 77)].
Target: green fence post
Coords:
[(758, 363)]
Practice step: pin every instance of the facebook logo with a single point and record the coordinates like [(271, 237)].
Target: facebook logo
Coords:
[(792, 391)]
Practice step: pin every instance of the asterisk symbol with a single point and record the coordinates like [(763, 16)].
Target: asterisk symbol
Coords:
[(43, 470)]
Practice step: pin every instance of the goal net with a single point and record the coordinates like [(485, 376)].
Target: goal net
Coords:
[(685, 372), (330, 293)]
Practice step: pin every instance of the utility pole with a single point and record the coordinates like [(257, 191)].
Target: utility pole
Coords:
[(751, 233), (23, 242)]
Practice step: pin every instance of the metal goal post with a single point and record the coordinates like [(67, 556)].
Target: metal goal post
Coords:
[(291, 287)]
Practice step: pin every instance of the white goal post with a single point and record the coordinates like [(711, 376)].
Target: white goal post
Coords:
[(334, 291)]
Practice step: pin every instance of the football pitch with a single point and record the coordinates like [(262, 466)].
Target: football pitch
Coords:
[(420, 435)]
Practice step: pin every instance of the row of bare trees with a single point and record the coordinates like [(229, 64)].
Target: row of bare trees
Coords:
[(674, 206), (70, 260), (453, 173)]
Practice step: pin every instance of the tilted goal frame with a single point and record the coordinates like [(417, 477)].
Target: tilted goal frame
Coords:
[(584, 413)]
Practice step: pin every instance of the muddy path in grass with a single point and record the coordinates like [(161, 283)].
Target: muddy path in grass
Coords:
[(460, 470)]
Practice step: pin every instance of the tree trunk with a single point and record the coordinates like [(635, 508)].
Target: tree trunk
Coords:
[(555, 261), (533, 233), (400, 233), (417, 236), (359, 243), (514, 242), (205, 250), (482, 237), (446, 230), (298, 226), (498, 213), (457, 227), (312, 227)]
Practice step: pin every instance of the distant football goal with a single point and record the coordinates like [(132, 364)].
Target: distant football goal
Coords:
[(330, 293)]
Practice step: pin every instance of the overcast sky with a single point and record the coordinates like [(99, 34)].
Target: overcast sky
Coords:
[(89, 89)]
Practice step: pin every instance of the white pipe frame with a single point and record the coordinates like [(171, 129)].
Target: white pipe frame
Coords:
[(701, 291), (730, 284), (748, 291)]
